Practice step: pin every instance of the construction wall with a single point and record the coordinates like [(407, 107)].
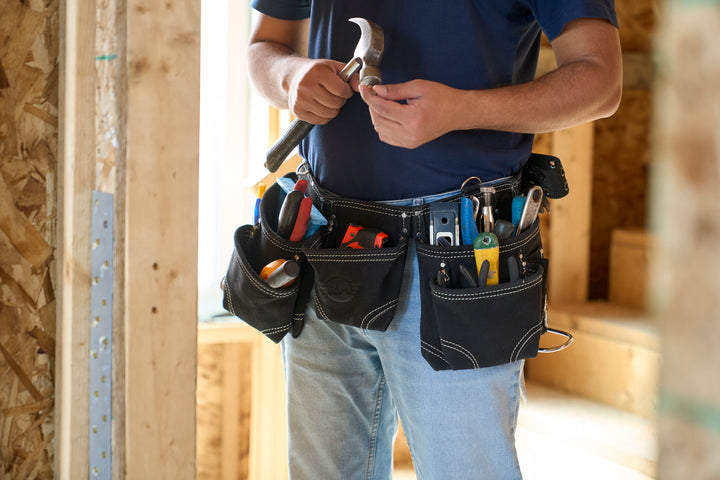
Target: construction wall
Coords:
[(28, 173), (621, 147)]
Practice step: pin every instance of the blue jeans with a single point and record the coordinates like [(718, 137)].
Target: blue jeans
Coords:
[(346, 387)]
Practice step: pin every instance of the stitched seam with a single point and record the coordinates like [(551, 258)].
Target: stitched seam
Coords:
[(503, 248), (479, 296), (434, 354), (281, 246), (433, 347), (227, 296), (368, 208), (523, 341), (519, 243), (460, 349), (259, 285), (319, 308), (375, 427), (354, 258), (367, 320), (270, 331)]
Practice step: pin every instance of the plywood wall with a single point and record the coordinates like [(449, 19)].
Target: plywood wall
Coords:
[(28, 171), (621, 148)]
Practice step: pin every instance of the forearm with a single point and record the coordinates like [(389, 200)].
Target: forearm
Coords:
[(271, 67), (575, 93)]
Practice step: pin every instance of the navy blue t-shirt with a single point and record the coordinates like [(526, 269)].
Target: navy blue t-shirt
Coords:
[(466, 44)]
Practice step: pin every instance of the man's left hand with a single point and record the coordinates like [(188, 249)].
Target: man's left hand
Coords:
[(413, 113)]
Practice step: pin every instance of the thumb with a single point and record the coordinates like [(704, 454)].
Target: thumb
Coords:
[(397, 91)]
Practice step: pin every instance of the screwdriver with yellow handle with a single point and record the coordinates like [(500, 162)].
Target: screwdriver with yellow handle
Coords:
[(487, 249)]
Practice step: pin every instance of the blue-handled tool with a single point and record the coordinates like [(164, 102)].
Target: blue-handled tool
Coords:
[(468, 227)]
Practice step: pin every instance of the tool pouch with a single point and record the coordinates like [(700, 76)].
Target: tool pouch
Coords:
[(547, 172), (357, 287), (272, 311), (464, 328)]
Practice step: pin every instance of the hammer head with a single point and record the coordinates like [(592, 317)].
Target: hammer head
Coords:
[(369, 50)]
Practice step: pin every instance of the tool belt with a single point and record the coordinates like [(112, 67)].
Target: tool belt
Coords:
[(460, 328)]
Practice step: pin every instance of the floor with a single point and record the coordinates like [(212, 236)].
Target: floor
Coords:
[(560, 435)]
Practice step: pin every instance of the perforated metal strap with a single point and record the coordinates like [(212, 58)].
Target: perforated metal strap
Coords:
[(101, 335)]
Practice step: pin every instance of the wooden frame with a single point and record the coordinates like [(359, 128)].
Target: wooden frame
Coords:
[(268, 417), (129, 105)]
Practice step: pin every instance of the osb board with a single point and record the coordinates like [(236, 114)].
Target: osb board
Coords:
[(28, 152), (637, 19), (213, 407), (620, 180)]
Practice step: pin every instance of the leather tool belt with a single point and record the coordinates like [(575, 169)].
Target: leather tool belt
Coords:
[(460, 328)]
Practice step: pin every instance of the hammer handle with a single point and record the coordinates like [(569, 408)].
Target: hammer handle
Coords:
[(284, 145), (299, 129)]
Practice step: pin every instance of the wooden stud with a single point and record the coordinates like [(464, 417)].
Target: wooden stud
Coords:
[(570, 218), (268, 422), (76, 182), (163, 45)]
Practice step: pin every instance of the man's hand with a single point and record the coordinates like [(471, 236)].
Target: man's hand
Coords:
[(316, 93), (587, 85), (411, 114)]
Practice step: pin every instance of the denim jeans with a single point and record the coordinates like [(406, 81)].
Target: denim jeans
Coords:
[(347, 386)]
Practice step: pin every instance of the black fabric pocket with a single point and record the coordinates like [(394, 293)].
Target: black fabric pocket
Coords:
[(462, 328), (272, 311), (356, 287), (482, 327), (269, 310)]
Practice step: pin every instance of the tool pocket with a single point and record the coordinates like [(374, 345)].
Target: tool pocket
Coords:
[(272, 311), (357, 287), (464, 328)]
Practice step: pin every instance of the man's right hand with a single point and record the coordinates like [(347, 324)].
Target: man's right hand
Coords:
[(282, 73), (316, 93)]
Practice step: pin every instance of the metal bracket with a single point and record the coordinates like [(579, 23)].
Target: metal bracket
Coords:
[(101, 335)]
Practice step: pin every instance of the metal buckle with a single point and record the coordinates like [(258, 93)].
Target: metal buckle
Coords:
[(560, 347)]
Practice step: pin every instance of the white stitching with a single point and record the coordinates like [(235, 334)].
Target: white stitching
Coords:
[(490, 294), (460, 349), (433, 347), (359, 256), (319, 308), (365, 323), (423, 346), (228, 297), (270, 331), (281, 246), (525, 338)]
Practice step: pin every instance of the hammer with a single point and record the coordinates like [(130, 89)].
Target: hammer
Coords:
[(366, 58)]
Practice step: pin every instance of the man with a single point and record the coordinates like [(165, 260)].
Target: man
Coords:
[(459, 99)]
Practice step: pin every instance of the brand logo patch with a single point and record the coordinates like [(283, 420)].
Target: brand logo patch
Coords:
[(340, 289)]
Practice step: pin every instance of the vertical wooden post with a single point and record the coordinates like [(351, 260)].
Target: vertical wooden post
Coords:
[(163, 45), (570, 219), (134, 134), (75, 185), (686, 198), (567, 229)]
